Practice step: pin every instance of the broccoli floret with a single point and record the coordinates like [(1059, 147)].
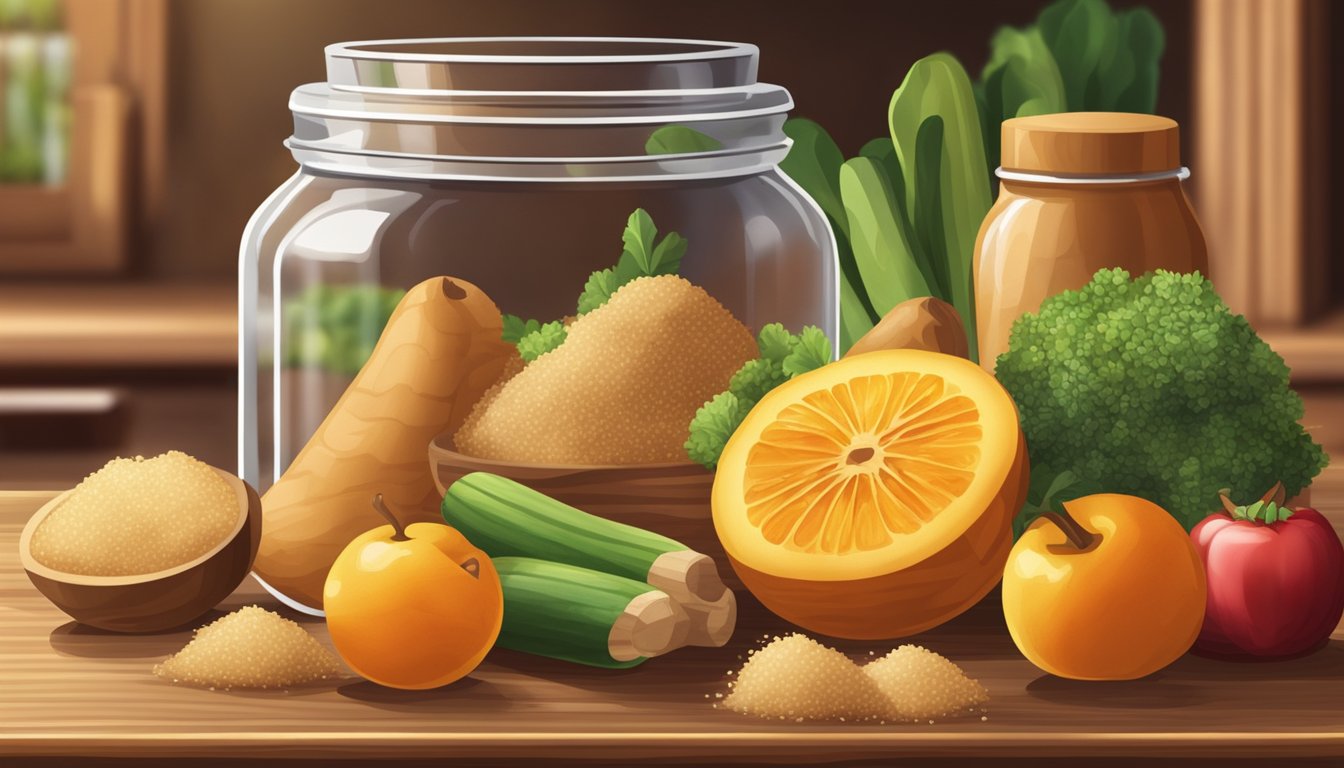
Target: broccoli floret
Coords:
[(544, 339), (1153, 387), (714, 423)]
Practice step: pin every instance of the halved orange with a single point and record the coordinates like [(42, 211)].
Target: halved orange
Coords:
[(873, 497)]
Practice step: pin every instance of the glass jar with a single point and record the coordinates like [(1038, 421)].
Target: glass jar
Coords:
[(1079, 192), (512, 163)]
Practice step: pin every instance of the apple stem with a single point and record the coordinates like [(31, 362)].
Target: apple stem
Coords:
[(398, 532), (1078, 536)]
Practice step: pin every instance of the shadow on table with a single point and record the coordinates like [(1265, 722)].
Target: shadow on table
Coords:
[(1325, 663), (467, 693), (75, 639), (1191, 681), (1152, 692)]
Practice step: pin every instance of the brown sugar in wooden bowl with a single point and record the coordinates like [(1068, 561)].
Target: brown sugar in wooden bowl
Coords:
[(671, 499), (161, 600)]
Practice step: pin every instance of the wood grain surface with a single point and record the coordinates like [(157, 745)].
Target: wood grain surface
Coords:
[(68, 690)]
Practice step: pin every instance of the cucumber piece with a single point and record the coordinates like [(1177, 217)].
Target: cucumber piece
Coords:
[(564, 612), (507, 519)]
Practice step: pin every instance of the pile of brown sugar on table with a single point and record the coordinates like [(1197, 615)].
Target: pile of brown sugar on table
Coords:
[(250, 648), (797, 678)]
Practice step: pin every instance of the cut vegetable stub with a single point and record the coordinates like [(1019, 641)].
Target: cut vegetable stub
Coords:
[(872, 466)]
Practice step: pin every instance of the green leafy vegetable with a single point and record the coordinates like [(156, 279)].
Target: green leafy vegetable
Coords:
[(1080, 33), (855, 316), (783, 356), (638, 238), (680, 140), (516, 327), (544, 339), (641, 257), (1142, 34), (713, 424), (944, 146), (953, 154), (775, 342), (599, 287), (335, 327), (1152, 387), (1020, 79), (884, 152), (811, 350), (814, 162), (882, 248), (756, 378), (928, 219)]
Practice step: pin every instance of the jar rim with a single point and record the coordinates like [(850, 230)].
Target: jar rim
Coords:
[(628, 105), (702, 49), (323, 100), (314, 156), (1033, 177)]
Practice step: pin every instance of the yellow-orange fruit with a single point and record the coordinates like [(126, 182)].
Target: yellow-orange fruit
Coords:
[(873, 497)]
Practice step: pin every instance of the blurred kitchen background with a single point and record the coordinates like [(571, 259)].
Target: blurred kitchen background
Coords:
[(137, 136)]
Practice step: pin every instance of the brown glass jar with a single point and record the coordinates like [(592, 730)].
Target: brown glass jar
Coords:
[(1079, 192)]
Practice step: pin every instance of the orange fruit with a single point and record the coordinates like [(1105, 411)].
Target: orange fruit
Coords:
[(415, 609), (1126, 604), (873, 497)]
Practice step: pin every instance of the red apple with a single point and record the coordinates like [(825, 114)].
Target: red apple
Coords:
[(1276, 579)]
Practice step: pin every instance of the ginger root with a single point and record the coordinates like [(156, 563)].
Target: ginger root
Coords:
[(441, 350), (925, 323)]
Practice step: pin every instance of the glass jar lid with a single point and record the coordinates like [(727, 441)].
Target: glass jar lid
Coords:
[(573, 108)]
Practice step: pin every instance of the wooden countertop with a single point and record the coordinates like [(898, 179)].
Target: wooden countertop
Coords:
[(68, 690)]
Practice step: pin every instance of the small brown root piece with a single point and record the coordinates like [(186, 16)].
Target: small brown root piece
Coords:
[(651, 625), (688, 576), (925, 323), (712, 624)]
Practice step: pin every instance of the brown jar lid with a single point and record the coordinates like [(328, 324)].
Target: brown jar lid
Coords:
[(1091, 143)]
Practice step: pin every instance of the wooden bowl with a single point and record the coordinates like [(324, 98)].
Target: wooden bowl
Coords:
[(151, 602), (671, 499)]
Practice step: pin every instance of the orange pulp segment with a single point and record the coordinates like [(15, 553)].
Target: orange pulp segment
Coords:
[(866, 466)]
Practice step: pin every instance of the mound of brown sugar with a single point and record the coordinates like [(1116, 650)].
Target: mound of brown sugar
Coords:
[(137, 516), (250, 648), (623, 386), (796, 678)]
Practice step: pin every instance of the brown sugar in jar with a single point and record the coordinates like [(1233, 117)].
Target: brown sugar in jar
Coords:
[(1080, 192)]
